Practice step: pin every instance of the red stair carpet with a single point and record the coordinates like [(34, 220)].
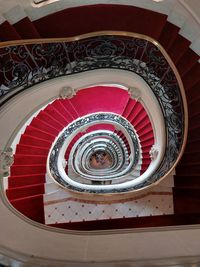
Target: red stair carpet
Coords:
[(26, 182)]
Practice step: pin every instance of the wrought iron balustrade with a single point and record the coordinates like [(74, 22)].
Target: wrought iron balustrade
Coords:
[(25, 64)]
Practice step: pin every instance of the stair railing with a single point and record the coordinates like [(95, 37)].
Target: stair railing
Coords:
[(26, 63)]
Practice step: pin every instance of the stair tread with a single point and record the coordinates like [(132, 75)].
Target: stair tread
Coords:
[(30, 128), (178, 48), (26, 29), (44, 115), (101, 18), (168, 35), (28, 139), (192, 76), (15, 181), (43, 125), (187, 61), (24, 187), (56, 114), (8, 32), (31, 150), (32, 207)]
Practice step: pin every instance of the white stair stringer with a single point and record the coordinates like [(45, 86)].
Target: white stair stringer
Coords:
[(5, 183), (15, 14), (51, 187), (2, 19), (57, 195)]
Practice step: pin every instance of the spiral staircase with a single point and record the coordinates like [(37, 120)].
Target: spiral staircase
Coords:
[(31, 183), (26, 182)]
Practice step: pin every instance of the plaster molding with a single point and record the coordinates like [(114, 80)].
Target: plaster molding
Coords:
[(134, 93), (6, 160), (67, 92), (154, 152)]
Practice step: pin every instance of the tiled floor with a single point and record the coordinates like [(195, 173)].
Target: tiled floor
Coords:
[(75, 210)]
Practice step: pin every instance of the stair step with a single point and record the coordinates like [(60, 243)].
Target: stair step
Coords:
[(137, 112), (192, 76), (44, 126), (32, 207), (67, 103), (22, 24), (193, 127), (44, 116), (129, 108), (168, 35), (187, 61), (187, 181), (64, 109), (56, 115), (193, 94), (20, 159), (101, 18), (145, 156), (190, 157), (108, 127), (145, 137), (32, 131), (32, 169), (25, 180), (34, 141), (8, 32), (100, 98), (186, 200), (194, 122), (60, 107), (193, 146), (26, 29), (140, 118), (148, 142), (146, 149), (146, 131), (21, 192), (194, 139), (140, 123), (144, 167), (190, 170), (143, 127), (193, 110), (31, 150), (146, 162), (178, 48)]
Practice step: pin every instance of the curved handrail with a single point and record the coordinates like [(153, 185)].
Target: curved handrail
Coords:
[(33, 61)]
